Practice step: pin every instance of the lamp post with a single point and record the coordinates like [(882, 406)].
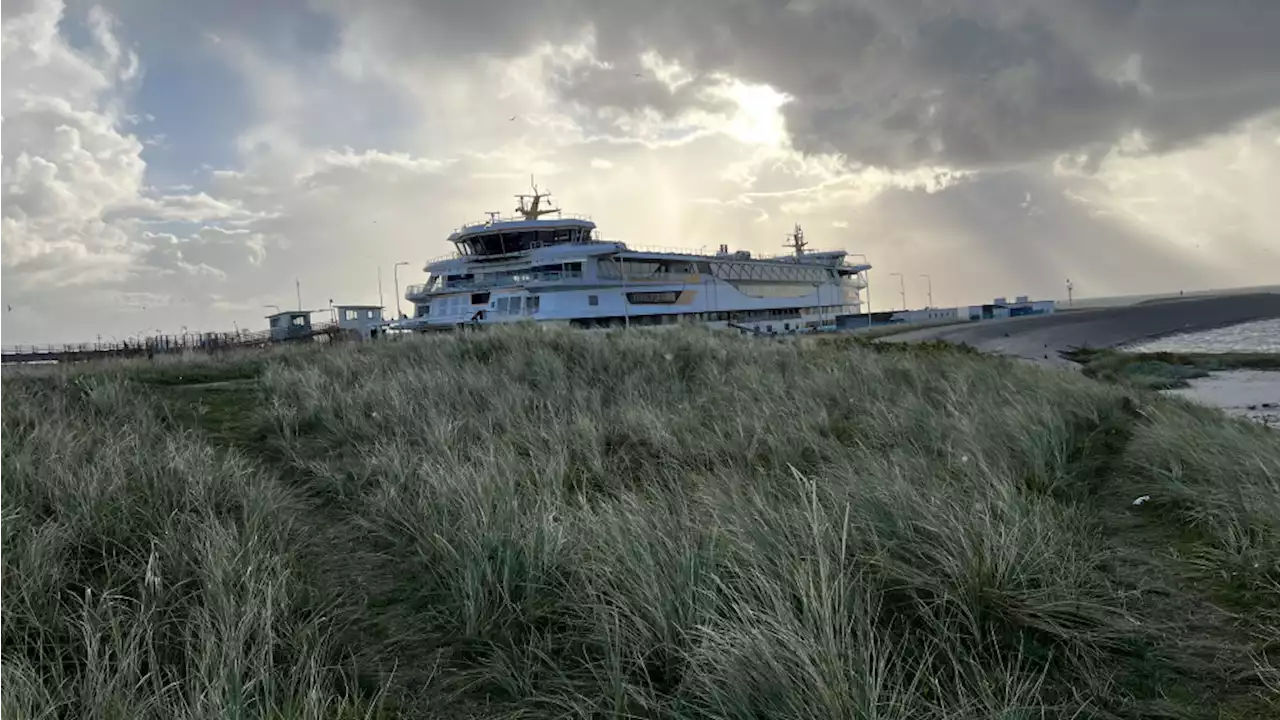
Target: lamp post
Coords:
[(902, 288), (930, 281), (395, 272)]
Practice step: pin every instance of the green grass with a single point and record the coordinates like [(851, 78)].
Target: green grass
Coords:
[(680, 524), (1164, 370)]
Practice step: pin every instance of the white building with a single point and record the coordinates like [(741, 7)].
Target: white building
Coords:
[(359, 319)]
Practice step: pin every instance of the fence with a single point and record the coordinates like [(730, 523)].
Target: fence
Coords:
[(157, 344)]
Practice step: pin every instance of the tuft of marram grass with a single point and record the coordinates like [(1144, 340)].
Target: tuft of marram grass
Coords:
[(146, 575)]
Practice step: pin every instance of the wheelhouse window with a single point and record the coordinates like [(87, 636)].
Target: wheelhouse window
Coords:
[(498, 243)]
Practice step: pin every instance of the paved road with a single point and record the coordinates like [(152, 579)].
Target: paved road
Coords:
[(1042, 337)]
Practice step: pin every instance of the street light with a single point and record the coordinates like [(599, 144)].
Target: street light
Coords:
[(902, 288), (395, 271), (930, 281)]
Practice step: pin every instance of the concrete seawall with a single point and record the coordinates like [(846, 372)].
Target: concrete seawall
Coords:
[(1041, 338)]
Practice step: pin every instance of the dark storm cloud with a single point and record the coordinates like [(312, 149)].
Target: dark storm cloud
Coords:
[(900, 82)]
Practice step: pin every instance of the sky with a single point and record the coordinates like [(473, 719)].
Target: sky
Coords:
[(172, 166)]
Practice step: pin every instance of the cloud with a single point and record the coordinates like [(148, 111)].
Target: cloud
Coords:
[(969, 83), (75, 198), (1212, 198), (211, 252)]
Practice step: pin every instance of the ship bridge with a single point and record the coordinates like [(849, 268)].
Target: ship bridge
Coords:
[(525, 231)]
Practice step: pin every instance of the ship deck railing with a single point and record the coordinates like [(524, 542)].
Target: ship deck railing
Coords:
[(519, 218), (421, 290), (699, 252)]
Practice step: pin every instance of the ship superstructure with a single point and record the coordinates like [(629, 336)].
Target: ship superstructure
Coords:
[(558, 270)]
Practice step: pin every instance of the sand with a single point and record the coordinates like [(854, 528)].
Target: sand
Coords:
[(1254, 394)]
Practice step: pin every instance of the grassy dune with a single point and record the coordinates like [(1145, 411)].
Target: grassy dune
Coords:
[(1164, 370), (673, 524)]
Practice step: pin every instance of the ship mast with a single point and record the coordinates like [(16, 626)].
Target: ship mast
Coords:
[(532, 210), (797, 241)]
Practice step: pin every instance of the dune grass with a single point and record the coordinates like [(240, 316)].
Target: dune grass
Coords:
[(1164, 370), (646, 524)]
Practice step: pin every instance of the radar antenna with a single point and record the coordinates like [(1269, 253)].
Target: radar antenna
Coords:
[(532, 211), (797, 241)]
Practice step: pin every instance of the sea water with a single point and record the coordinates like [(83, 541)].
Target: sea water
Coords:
[(1258, 336)]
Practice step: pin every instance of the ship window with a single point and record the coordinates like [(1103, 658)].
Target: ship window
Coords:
[(369, 314), (350, 315), (479, 298), (593, 300), (508, 242), (299, 321), (531, 304)]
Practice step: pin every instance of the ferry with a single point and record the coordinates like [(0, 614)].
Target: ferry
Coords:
[(553, 268)]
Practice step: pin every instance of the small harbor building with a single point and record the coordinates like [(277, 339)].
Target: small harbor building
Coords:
[(362, 320)]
